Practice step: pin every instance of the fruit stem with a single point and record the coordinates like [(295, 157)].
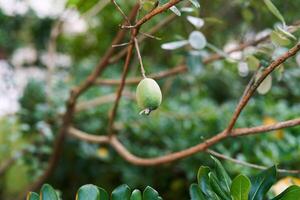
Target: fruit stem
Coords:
[(140, 57)]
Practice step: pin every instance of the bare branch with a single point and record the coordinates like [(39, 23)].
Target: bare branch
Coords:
[(128, 156), (134, 80), (255, 166)]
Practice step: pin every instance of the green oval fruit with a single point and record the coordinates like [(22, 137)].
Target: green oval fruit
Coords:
[(148, 95)]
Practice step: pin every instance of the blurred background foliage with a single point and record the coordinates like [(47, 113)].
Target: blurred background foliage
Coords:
[(196, 105)]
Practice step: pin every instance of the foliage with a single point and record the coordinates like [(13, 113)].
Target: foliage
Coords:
[(212, 185)]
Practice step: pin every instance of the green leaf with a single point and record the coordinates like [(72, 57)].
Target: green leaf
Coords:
[(121, 193), (274, 10), (225, 180), (48, 193), (240, 187), (214, 182), (197, 40), (150, 194), (136, 195), (203, 179), (174, 45), (291, 193), (32, 196), (88, 192), (285, 32), (195, 192), (279, 39), (175, 10), (195, 3), (252, 62), (262, 183), (265, 85), (103, 194)]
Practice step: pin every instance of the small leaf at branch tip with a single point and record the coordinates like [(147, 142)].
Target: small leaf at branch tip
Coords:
[(196, 21), (175, 10), (187, 9), (174, 45), (195, 3), (274, 10)]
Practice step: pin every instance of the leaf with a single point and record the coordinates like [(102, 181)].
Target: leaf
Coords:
[(262, 183), (195, 192), (197, 40), (174, 45), (274, 10), (240, 187), (32, 196), (203, 181), (252, 62), (214, 182), (103, 194), (265, 86), (222, 175), (195, 3), (136, 195), (88, 192), (279, 39), (48, 193), (175, 10), (196, 21), (150, 194), (187, 9), (285, 32), (121, 193), (291, 193)]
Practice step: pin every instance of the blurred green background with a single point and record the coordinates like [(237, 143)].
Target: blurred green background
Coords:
[(196, 104)]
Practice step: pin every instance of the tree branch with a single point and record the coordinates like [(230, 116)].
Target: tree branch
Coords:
[(70, 108), (134, 80), (128, 156), (243, 102), (255, 166)]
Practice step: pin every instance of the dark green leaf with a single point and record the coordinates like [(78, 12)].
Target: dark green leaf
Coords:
[(88, 192), (121, 193), (215, 184), (136, 195), (203, 179), (274, 10), (195, 192), (291, 193), (262, 183), (48, 193), (240, 187), (103, 194), (32, 196), (225, 180), (150, 194)]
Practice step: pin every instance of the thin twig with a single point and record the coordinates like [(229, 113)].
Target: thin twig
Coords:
[(134, 80), (139, 57), (121, 11), (247, 164)]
